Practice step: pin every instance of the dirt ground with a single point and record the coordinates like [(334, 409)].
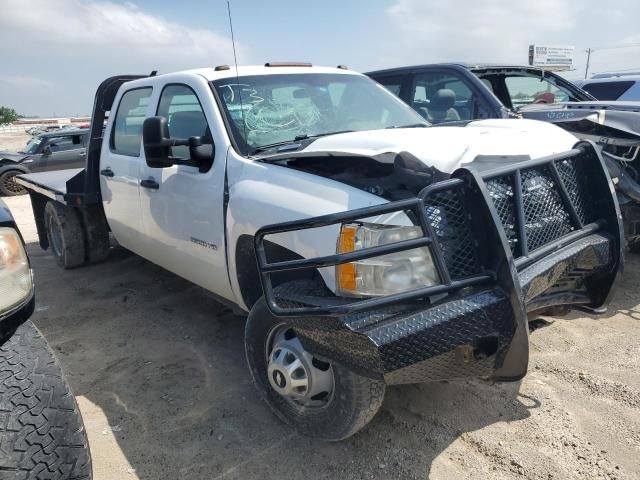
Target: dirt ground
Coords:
[(159, 373)]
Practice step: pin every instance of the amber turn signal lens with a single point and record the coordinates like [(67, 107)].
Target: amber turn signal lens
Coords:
[(346, 273)]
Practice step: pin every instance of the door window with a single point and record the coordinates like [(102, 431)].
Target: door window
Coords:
[(181, 107), (61, 144), (525, 90), (443, 97), (126, 135)]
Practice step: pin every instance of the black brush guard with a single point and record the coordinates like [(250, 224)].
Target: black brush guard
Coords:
[(505, 241)]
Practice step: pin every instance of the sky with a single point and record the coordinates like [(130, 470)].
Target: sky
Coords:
[(54, 53)]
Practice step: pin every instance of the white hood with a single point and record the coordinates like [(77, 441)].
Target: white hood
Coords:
[(447, 148)]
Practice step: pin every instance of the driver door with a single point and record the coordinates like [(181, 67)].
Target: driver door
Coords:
[(182, 207)]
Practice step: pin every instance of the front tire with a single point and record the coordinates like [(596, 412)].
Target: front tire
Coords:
[(41, 433), (8, 185), (65, 235), (353, 400)]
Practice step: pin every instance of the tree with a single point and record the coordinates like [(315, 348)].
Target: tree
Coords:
[(7, 115)]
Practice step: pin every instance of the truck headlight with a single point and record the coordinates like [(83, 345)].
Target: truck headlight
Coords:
[(15, 275), (392, 273)]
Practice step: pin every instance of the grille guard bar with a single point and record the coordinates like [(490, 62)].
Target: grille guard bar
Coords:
[(499, 265)]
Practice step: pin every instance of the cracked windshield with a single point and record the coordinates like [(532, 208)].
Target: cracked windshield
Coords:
[(267, 110)]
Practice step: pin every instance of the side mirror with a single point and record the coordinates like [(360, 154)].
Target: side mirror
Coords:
[(46, 150), (156, 141), (157, 147)]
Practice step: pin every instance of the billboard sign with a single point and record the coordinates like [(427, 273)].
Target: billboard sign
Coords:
[(551, 57)]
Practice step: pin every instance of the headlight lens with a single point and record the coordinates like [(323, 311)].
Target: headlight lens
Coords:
[(393, 273), (15, 276)]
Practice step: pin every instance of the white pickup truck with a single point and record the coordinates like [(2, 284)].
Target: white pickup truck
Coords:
[(367, 247)]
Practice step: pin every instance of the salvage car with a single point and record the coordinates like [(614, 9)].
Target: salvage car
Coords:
[(444, 93), (42, 434), (367, 248), (45, 152)]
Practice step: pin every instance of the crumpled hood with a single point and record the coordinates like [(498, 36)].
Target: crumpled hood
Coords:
[(589, 105), (449, 147), (617, 122), (13, 156)]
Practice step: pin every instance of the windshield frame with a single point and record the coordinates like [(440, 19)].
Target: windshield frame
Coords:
[(248, 151)]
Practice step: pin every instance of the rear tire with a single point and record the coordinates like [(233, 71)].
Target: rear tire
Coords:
[(65, 235), (8, 186), (355, 399), (41, 433)]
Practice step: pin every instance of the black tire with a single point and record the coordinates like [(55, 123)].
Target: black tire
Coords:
[(356, 399), (8, 186), (42, 435), (65, 235)]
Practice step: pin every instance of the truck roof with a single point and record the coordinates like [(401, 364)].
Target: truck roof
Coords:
[(212, 73), (466, 65)]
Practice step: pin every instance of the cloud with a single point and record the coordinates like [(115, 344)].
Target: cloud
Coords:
[(476, 31), (427, 31), (74, 44)]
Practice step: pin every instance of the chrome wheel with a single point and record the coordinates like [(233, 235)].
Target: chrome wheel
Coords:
[(294, 373)]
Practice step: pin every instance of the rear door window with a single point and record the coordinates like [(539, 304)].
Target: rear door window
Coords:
[(126, 135), (607, 90)]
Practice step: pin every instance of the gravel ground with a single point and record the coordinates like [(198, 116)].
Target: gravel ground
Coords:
[(159, 372)]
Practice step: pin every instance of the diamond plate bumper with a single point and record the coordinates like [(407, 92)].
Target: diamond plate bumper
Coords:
[(476, 323)]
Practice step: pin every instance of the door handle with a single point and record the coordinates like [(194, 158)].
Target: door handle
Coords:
[(152, 184), (107, 172)]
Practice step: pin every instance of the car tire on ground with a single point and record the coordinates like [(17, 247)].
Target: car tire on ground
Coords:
[(65, 235), (8, 186), (353, 402), (42, 435)]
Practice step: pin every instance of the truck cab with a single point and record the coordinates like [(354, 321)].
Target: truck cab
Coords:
[(366, 247)]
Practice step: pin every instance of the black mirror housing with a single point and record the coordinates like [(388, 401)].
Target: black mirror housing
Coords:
[(156, 142), (157, 147)]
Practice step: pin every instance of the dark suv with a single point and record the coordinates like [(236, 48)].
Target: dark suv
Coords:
[(49, 151), (456, 92)]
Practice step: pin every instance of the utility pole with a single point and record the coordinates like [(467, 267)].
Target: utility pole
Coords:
[(586, 70)]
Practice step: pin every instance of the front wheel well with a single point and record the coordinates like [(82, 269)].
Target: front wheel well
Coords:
[(247, 268)]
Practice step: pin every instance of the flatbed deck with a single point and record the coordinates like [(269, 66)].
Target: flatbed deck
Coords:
[(51, 184)]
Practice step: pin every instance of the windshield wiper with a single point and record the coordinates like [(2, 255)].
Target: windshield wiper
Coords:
[(411, 125), (304, 136), (291, 144)]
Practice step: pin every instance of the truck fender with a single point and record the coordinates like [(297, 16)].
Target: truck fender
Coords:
[(247, 268)]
